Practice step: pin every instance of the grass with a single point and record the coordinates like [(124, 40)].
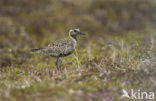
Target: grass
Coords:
[(117, 53), (99, 71)]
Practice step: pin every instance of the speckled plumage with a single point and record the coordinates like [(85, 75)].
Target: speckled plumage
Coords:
[(61, 48)]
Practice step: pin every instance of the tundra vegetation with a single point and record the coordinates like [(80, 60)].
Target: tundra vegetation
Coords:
[(117, 53)]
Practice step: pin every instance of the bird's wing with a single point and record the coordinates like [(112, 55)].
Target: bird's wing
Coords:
[(56, 48)]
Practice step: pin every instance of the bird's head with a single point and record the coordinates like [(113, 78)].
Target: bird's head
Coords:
[(75, 32)]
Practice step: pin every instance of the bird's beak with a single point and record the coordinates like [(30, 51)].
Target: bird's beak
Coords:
[(82, 33)]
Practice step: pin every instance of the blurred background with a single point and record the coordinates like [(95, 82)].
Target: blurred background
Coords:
[(27, 24)]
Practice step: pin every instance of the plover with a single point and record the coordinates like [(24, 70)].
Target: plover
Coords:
[(61, 48)]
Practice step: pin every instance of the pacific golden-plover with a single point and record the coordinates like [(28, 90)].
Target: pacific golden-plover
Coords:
[(61, 48)]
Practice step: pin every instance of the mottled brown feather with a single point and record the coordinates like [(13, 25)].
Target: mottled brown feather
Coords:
[(59, 48)]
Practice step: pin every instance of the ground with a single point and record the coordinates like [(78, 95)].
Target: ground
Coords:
[(118, 51)]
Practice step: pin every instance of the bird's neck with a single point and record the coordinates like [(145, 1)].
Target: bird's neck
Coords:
[(73, 37)]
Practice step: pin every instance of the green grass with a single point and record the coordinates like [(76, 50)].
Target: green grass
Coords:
[(98, 71)]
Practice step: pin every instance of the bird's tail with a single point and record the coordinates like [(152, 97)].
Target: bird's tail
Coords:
[(39, 50)]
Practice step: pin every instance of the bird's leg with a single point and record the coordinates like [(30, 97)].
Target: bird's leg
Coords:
[(59, 67), (57, 63)]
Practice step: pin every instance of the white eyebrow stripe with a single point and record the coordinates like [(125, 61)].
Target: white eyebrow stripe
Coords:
[(77, 29)]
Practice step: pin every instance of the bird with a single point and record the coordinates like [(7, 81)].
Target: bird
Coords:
[(61, 48)]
